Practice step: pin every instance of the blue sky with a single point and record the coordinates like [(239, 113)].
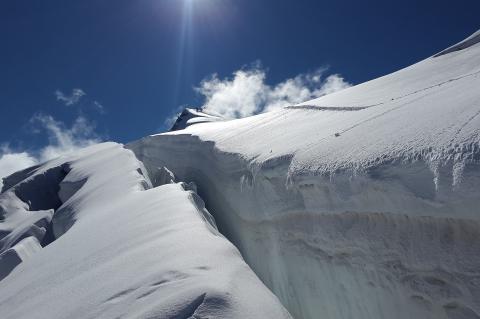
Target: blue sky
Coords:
[(76, 72)]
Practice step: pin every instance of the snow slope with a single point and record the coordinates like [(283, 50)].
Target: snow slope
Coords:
[(118, 248), (360, 204)]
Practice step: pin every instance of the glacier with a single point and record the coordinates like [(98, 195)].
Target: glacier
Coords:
[(359, 204), (119, 247)]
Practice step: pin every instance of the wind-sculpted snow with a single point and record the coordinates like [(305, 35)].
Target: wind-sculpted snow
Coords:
[(12, 257), (468, 42), (28, 203), (361, 204), (122, 249)]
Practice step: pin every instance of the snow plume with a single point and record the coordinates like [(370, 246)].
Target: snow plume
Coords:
[(247, 93), (61, 140), (172, 118), (10, 161), (71, 99)]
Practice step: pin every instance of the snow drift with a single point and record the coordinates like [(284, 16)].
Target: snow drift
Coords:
[(119, 248), (360, 204)]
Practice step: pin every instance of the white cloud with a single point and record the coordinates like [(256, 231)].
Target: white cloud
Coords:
[(71, 99), (241, 96), (247, 93), (61, 140), (11, 162), (75, 97)]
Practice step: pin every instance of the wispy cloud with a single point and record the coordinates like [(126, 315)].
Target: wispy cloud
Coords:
[(61, 140), (71, 99), (77, 96), (247, 93), (99, 107), (172, 118)]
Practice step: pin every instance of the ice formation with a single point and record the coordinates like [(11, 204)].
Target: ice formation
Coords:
[(360, 204), (120, 248)]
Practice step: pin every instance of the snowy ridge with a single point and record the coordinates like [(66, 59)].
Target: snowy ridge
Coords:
[(429, 110), (28, 203), (359, 204), (124, 249), (426, 74), (193, 116), (468, 42)]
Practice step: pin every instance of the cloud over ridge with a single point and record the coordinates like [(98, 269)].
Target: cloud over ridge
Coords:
[(62, 140), (247, 93)]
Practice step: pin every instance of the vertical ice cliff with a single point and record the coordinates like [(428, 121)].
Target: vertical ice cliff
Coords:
[(361, 204), (118, 247)]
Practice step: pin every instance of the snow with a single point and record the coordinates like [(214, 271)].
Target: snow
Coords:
[(359, 204), (193, 116), (121, 248), (468, 42), (12, 257)]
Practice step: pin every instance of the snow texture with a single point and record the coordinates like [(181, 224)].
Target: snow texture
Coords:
[(118, 248), (12, 257), (360, 204), (468, 42)]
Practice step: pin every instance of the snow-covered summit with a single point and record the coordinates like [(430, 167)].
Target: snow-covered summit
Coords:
[(191, 116), (428, 110), (429, 75), (468, 42), (360, 204)]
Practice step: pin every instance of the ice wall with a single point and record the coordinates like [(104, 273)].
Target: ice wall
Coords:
[(374, 245), (360, 204)]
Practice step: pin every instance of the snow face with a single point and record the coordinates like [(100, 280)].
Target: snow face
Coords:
[(123, 248), (12, 257), (360, 204), (28, 204)]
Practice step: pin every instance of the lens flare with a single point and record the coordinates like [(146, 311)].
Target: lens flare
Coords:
[(197, 17)]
